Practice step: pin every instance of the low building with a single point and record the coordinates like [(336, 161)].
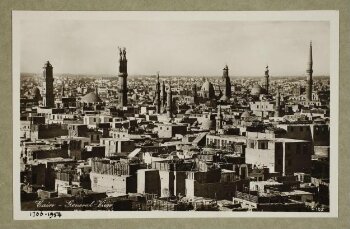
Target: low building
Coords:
[(214, 184), (169, 130), (114, 176), (114, 146), (268, 202), (283, 155)]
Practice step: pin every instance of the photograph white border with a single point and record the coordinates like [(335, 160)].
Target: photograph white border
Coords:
[(325, 15)]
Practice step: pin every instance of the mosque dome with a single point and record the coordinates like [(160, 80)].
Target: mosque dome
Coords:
[(256, 90), (36, 93), (134, 97), (224, 98), (208, 124), (207, 90), (91, 97), (207, 86), (245, 114), (189, 111)]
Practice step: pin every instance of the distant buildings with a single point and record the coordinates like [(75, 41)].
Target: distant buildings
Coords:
[(136, 145)]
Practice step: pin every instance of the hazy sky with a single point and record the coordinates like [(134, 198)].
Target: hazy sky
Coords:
[(175, 48)]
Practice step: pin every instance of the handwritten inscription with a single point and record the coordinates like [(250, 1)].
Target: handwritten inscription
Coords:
[(37, 214)]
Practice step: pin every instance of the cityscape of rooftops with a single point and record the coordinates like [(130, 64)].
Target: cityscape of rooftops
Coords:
[(198, 140)]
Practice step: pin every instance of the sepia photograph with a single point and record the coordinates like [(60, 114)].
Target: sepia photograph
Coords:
[(175, 114)]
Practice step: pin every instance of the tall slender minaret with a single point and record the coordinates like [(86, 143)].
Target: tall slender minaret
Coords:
[(309, 72), (157, 99), (266, 82), (63, 90), (278, 104), (123, 74), (48, 96), (226, 78), (195, 95), (169, 102), (162, 98), (219, 119)]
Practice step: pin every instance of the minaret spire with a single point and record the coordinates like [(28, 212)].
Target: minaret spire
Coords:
[(309, 71), (157, 99), (63, 90), (219, 119), (194, 92), (123, 74), (226, 78), (169, 102), (48, 96), (267, 76), (278, 103), (162, 98)]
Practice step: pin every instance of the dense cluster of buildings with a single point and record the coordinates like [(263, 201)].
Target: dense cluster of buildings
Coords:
[(174, 143)]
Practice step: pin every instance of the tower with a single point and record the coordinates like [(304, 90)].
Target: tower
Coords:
[(309, 72), (169, 103), (278, 104), (195, 95), (162, 98), (157, 95), (226, 78), (63, 95), (123, 74), (48, 96), (266, 80), (219, 119)]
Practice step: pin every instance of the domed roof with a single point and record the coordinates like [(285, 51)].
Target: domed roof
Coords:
[(224, 98), (208, 124), (134, 97), (91, 97), (35, 91), (245, 114), (207, 86), (36, 94), (256, 90), (189, 111)]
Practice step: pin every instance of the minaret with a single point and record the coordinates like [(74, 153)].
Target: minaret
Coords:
[(48, 96), (63, 90), (195, 95), (226, 78), (309, 72), (169, 102), (278, 104), (266, 82), (157, 99), (162, 98), (219, 119), (123, 73)]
